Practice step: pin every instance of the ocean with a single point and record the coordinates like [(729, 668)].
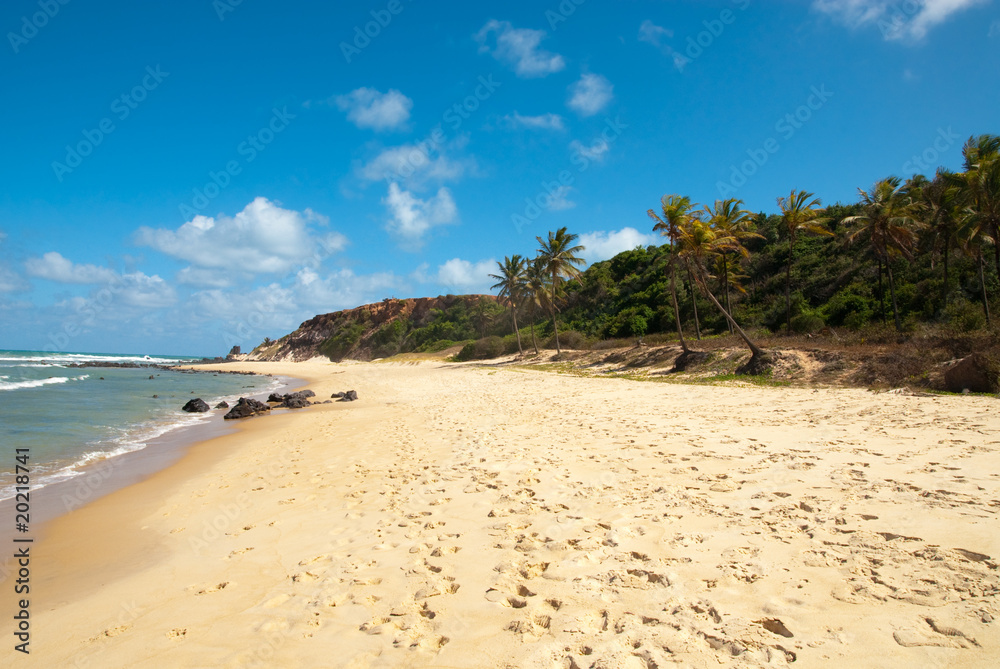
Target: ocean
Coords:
[(73, 417)]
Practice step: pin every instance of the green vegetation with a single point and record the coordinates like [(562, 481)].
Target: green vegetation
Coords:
[(921, 252)]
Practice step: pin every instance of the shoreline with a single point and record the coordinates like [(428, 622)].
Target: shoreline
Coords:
[(476, 516), (107, 475)]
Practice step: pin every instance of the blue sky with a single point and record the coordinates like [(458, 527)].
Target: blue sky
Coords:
[(186, 176)]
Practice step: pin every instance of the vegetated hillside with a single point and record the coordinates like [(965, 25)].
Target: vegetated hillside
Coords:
[(834, 284), (385, 328)]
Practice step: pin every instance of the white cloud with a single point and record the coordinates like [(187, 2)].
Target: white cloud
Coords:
[(342, 289), (204, 278), (519, 48), (146, 292), (369, 108), (261, 239), (54, 267), (603, 245), (558, 199), (542, 122), (652, 33), (416, 164), (413, 217), (11, 281), (590, 94), (462, 275), (656, 35), (594, 153), (276, 309), (896, 21)]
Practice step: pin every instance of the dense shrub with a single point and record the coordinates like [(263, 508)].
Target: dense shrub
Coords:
[(570, 339), (807, 323), (482, 349)]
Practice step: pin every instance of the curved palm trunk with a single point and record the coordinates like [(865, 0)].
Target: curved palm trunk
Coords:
[(513, 313), (694, 302), (944, 259), (996, 245), (555, 329), (755, 350), (725, 282), (534, 317), (881, 290), (552, 310), (982, 284), (892, 292), (677, 310), (788, 294)]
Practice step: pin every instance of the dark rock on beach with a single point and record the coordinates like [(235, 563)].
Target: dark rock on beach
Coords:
[(222, 405), (196, 405), (349, 396), (295, 403), (295, 400), (245, 408)]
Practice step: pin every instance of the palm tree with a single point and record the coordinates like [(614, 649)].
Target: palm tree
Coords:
[(536, 291), (510, 282), (938, 204), (559, 257), (974, 236), (982, 169), (734, 224), (799, 213), (889, 225), (676, 213), (981, 182), (701, 243)]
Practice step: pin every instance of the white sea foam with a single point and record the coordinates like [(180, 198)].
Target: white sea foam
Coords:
[(38, 383), (62, 358), (129, 439)]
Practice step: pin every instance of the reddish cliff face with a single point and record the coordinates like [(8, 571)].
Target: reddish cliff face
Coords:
[(306, 342)]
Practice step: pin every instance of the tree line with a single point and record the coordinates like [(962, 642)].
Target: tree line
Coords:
[(920, 228)]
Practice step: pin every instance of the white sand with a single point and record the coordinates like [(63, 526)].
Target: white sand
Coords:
[(459, 516)]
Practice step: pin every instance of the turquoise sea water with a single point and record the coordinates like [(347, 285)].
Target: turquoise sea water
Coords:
[(72, 417)]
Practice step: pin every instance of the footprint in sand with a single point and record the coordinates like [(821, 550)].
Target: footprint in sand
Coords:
[(111, 632), (201, 590)]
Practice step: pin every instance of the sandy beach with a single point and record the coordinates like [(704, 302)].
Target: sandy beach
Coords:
[(489, 516)]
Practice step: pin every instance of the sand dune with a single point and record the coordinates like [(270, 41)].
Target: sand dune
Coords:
[(463, 516)]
